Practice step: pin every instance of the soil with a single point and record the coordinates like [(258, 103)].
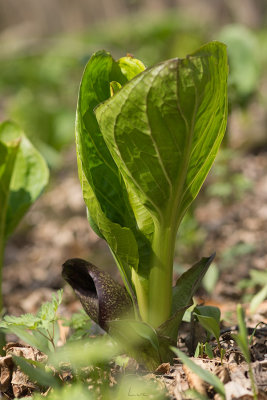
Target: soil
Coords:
[(56, 229)]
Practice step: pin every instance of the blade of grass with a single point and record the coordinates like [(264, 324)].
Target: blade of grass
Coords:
[(202, 373)]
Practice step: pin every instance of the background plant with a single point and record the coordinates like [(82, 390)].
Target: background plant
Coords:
[(242, 341), (23, 177)]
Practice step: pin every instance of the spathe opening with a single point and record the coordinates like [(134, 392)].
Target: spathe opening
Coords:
[(76, 273)]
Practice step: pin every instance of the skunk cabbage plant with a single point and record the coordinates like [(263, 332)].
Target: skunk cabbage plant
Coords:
[(146, 140)]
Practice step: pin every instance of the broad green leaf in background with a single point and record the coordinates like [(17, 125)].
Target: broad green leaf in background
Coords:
[(8, 154), (143, 154), (29, 176), (23, 176), (244, 59)]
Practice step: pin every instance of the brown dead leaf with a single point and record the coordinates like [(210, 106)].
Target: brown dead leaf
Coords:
[(223, 373), (194, 381), (262, 395), (12, 374), (236, 390), (163, 369), (25, 351), (21, 384), (6, 370)]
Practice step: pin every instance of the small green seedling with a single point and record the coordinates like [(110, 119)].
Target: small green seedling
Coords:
[(253, 333), (146, 140), (209, 317), (204, 348), (40, 330), (242, 341)]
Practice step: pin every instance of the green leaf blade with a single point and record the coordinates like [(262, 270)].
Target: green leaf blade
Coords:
[(8, 155), (164, 145), (209, 317), (104, 191), (202, 373), (210, 324), (188, 283), (210, 118), (37, 373)]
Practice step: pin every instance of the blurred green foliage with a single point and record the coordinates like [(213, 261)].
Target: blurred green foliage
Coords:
[(89, 368), (39, 81), (227, 187), (244, 62)]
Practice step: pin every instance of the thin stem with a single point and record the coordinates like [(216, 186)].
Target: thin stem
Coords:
[(41, 333), (2, 335), (51, 339), (53, 336), (252, 380)]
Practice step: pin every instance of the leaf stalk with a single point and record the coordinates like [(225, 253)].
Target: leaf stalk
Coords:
[(160, 278)]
